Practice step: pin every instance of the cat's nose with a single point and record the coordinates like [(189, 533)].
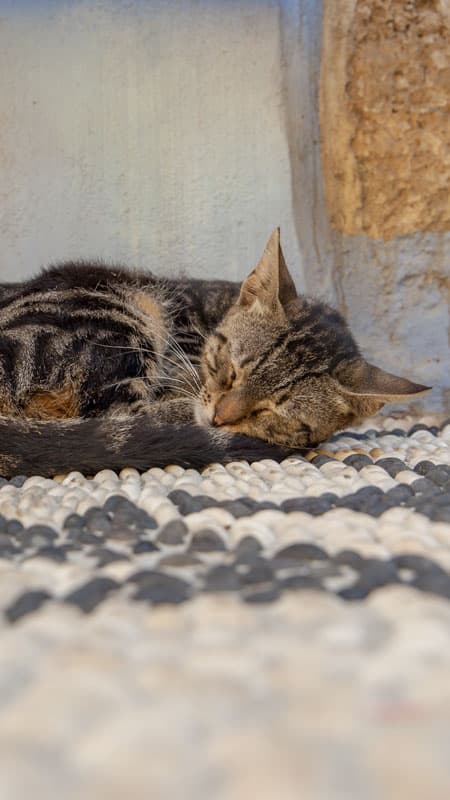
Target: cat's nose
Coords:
[(230, 409)]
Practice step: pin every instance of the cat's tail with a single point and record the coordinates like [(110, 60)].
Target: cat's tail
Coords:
[(90, 445)]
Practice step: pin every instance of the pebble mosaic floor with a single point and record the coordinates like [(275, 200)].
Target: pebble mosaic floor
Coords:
[(273, 629)]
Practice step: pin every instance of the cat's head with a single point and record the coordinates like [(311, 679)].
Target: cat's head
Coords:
[(285, 369)]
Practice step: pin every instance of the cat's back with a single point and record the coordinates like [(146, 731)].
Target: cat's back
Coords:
[(80, 322)]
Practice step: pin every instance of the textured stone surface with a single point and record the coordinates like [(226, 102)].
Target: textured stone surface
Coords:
[(387, 172), (378, 174), (258, 630)]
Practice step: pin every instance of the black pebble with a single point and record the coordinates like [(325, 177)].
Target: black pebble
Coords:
[(369, 434), (397, 432), (423, 486), (187, 504), (25, 604), (391, 465), (422, 467), (105, 556), (206, 541), (400, 494), (173, 532), (302, 551), (373, 573), (310, 505), (349, 558), (418, 427), (18, 481), (358, 461), (73, 521), (434, 583), (318, 461), (239, 508), (39, 535), (416, 563), (260, 571), (82, 536), (126, 513), (7, 547), (156, 587), (97, 521), (370, 500), (179, 560), (248, 548), (441, 513), (264, 505), (14, 526), (52, 553), (298, 581), (439, 475), (87, 597), (137, 518), (222, 578), (124, 533), (144, 546)]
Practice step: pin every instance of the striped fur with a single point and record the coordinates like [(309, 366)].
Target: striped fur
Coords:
[(105, 367)]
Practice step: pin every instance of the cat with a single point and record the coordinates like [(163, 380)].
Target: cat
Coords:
[(103, 367)]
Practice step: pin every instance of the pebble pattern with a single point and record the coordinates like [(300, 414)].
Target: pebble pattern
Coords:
[(292, 619), (371, 509)]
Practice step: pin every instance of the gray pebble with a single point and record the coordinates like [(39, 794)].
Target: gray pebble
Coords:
[(247, 548), (206, 541), (173, 533), (187, 504), (89, 596), (310, 505), (105, 556), (423, 486), (156, 588), (358, 461), (391, 465), (144, 546), (439, 475), (56, 554), (25, 604), (222, 578), (179, 560), (259, 571), (97, 521), (301, 551), (18, 481), (14, 526), (74, 521), (38, 535)]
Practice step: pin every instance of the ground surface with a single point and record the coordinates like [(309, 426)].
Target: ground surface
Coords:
[(272, 631)]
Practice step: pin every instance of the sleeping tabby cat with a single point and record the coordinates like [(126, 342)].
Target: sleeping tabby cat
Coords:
[(104, 368)]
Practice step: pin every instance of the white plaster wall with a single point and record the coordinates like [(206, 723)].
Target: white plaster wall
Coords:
[(149, 132)]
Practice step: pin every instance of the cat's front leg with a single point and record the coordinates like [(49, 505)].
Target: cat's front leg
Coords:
[(176, 410)]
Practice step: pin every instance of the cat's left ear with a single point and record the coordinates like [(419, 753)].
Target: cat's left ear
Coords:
[(270, 285), (371, 387)]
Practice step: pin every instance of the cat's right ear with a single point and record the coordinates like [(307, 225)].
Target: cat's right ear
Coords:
[(269, 287), (370, 387)]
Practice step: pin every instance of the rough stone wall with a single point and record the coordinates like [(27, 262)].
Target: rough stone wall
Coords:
[(387, 153)]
